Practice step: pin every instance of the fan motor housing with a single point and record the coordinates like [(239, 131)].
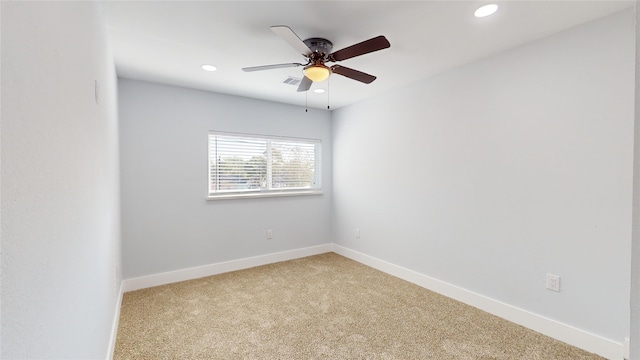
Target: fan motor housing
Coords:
[(319, 45)]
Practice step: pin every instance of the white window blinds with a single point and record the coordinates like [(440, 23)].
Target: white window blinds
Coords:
[(251, 164)]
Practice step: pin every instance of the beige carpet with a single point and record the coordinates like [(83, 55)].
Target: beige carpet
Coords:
[(320, 307)]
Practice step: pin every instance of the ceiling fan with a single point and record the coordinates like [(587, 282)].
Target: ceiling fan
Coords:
[(317, 52)]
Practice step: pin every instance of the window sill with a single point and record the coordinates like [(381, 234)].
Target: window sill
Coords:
[(254, 195)]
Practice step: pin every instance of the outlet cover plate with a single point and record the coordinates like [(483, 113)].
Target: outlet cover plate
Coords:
[(553, 282)]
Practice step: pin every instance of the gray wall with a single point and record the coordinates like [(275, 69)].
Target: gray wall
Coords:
[(167, 223), (492, 175), (60, 185)]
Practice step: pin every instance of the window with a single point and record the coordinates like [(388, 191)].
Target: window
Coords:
[(253, 165)]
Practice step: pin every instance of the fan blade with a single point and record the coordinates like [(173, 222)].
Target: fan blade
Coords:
[(305, 84), (353, 74), (269, 67), (365, 47), (289, 36)]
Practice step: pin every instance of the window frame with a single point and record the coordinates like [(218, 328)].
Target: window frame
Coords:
[(315, 189)]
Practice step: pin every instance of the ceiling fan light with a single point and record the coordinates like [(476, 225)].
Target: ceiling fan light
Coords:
[(317, 72)]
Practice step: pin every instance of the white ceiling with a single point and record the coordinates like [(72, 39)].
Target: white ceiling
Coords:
[(168, 41)]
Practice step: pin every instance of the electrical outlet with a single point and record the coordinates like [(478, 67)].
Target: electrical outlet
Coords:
[(357, 233), (269, 234), (553, 282)]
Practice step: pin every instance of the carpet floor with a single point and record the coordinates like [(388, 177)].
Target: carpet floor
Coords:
[(319, 307)]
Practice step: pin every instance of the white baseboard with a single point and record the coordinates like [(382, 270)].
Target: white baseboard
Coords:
[(219, 268), (627, 350), (116, 321), (552, 328)]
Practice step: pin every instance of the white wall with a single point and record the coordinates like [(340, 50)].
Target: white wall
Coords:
[(60, 184), (167, 223), (492, 175)]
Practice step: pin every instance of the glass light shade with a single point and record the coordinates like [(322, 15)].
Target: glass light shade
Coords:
[(317, 72)]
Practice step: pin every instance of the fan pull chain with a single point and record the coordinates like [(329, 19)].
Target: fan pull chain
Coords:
[(328, 92), (306, 101)]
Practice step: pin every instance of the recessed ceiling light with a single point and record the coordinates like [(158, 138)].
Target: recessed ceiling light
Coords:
[(318, 91), (207, 67), (486, 10)]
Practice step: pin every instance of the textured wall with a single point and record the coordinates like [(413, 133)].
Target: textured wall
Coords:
[(167, 223), (494, 174), (60, 189)]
